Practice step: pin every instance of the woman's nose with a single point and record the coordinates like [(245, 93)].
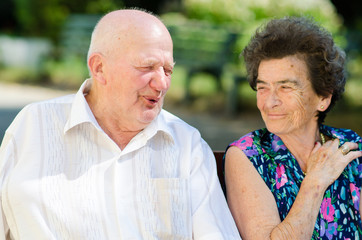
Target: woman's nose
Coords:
[(273, 99)]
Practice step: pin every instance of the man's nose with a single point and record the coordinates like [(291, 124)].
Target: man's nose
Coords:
[(160, 80)]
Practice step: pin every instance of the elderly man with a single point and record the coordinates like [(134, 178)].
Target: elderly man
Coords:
[(108, 162)]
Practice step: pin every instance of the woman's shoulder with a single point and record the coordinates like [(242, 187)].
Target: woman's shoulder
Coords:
[(250, 138), (343, 134), (252, 143)]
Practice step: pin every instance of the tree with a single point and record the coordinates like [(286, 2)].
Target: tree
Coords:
[(155, 6), (8, 22), (352, 20), (45, 18)]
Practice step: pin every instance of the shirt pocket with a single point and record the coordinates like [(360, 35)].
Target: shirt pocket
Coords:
[(169, 209)]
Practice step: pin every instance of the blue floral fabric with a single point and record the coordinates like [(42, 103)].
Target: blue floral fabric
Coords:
[(339, 216)]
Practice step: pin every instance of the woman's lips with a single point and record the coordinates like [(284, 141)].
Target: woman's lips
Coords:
[(275, 115)]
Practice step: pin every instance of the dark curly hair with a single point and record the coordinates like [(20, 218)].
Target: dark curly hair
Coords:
[(300, 36)]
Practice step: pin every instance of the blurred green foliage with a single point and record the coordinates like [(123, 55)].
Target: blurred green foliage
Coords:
[(248, 15), (51, 14), (245, 16), (46, 18)]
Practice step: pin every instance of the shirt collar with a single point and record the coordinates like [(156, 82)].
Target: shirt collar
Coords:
[(159, 125), (81, 113)]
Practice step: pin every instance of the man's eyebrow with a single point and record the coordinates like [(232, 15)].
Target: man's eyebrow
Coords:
[(152, 61), (170, 65)]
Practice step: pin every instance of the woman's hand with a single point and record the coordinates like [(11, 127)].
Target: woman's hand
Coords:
[(326, 162)]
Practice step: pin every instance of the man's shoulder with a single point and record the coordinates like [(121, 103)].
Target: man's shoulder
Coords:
[(174, 121), (66, 99), (36, 111), (54, 102), (177, 127)]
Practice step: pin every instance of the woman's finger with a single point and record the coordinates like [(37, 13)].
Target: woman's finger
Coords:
[(348, 151), (317, 146)]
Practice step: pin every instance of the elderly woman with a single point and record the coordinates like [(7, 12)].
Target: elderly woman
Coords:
[(296, 178)]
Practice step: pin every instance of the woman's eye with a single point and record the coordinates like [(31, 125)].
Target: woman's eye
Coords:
[(286, 88)]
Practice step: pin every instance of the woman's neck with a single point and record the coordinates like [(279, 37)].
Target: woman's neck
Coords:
[(301, 144)]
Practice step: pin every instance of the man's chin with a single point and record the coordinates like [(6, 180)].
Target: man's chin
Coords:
[(149, 115)]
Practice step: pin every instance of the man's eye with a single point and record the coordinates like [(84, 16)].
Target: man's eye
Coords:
[(145, 68)]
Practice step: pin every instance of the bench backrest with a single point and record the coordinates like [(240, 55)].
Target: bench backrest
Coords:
[(201, 45), (76, 34), (219, 157)]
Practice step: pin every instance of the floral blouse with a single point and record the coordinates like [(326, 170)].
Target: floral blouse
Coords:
[(339, 216)]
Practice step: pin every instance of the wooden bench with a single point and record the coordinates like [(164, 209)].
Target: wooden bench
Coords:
[(219, 156), (202, 47)]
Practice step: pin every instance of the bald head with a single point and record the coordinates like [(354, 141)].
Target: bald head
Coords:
[(116, 31), (131, 61)]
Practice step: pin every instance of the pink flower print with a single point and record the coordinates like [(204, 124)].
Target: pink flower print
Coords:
[(327, 210), (280, 176), (355, 195), (245, 142), (246, 145)]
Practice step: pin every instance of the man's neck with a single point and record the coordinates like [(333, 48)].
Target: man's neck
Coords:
[(110, 125), (120, 137)]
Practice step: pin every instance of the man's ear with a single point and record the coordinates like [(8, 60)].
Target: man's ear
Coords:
[(324, 103), (96, 67)]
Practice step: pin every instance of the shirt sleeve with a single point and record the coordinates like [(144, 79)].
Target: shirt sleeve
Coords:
[(6, 164), (210, 213)]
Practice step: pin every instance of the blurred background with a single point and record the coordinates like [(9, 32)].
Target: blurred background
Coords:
[(43, 46)]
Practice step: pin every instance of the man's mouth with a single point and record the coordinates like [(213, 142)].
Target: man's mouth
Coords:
[(152, 100)]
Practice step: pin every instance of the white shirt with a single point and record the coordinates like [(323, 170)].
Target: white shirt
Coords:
[(62, 177)]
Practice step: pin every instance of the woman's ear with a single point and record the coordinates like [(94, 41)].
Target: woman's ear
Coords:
[(324, 103), (96, 67)]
